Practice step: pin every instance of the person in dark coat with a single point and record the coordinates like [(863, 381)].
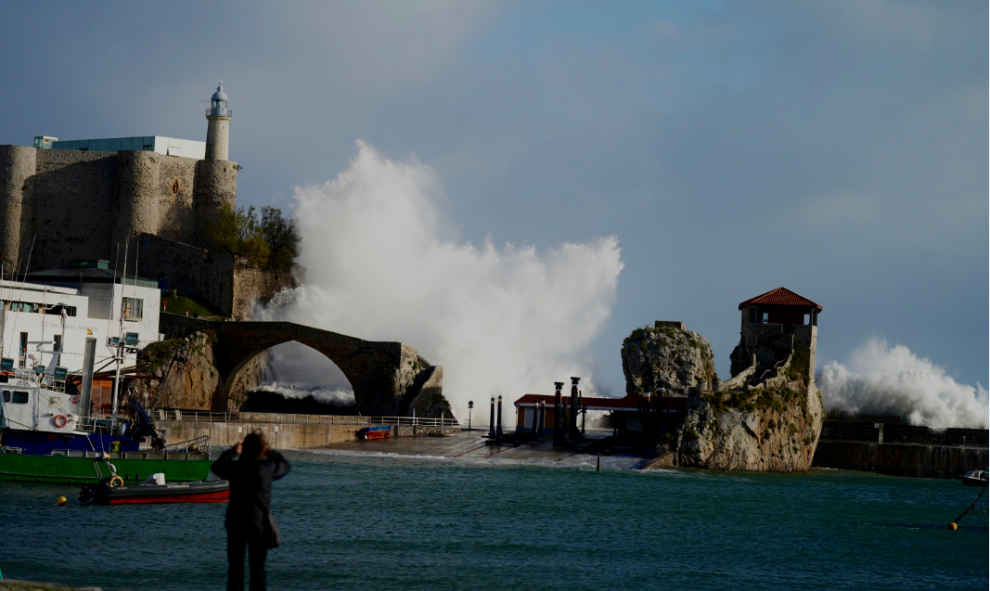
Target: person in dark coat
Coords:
[(251, 466)]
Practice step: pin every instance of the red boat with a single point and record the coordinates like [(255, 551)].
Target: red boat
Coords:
[(215, 491), (375, 432)]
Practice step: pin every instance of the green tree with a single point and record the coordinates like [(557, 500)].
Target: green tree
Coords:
[(238, 232), (271, 242), (281, 237)]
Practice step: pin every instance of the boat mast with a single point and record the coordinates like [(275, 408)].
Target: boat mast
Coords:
[(3, 310), (120, 343)]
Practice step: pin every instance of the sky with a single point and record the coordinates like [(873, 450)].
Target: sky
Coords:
[(836, 148)]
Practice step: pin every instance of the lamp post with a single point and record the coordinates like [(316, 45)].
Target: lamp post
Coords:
[(470, 406)]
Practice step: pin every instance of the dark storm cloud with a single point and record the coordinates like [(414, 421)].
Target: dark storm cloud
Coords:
[(836, 148)]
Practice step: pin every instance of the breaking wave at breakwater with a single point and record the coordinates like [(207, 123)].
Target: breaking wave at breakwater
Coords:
[(882, 380), (383, 263), (322, 394)]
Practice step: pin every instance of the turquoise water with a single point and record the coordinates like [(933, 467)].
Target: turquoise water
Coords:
[(368, 521)]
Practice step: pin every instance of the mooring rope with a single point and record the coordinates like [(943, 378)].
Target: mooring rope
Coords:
[(955, 523)]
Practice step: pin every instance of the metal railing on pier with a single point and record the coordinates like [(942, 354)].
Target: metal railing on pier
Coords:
[(165, 416)]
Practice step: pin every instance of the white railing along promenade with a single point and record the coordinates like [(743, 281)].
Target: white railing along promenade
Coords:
[(185, 416), (298, 419)]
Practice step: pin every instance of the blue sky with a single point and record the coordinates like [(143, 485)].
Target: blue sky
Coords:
[(838, 149)]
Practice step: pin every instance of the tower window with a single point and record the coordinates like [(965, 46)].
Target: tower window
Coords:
[(223, 127)]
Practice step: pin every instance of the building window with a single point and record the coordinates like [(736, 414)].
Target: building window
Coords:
[(133, 309), (223, 127), (58, 342), (24, 347), (69, 310)]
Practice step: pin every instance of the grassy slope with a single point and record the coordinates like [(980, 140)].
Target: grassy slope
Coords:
[(180, 304)]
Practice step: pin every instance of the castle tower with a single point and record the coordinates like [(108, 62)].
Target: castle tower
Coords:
[(773, 324), (218, 130)]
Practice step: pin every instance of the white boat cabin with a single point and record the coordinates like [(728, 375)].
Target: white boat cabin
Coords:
[(47, 406)]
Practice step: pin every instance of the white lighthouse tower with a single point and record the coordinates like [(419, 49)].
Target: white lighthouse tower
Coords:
[(218, 130)]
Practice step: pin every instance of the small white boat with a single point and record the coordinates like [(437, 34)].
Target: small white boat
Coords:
[(975, 478)]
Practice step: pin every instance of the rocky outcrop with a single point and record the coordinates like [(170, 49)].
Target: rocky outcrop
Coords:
[(430, 401), (772, 427), (767, 418), (192, 381), (667, 357)]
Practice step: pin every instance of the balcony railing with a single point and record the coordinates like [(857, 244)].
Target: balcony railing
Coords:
[(219, 112)]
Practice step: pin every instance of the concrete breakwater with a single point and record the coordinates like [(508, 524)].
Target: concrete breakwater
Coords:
[(901, 450), (288, 431)]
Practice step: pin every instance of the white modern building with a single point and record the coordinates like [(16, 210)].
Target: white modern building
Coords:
[(53, 313), (168, 146)]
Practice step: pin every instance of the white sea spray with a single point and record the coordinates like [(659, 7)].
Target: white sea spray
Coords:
[(382, 263), (879, 379)]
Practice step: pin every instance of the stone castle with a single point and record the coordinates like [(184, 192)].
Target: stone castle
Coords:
[(64, 201)]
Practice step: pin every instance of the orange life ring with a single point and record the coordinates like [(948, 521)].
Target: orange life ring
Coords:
[(61, 421), (118, 480)]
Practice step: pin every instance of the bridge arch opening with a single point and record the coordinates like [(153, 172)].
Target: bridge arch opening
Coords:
[(298, 379), (387, 376)]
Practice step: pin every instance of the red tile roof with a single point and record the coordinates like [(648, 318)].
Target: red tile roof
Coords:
[(781, 297)]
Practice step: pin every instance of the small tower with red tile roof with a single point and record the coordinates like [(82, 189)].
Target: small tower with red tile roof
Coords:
[(775, 325)]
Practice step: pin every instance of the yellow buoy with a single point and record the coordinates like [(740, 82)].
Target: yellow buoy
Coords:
[(62, 501), (953, 526)]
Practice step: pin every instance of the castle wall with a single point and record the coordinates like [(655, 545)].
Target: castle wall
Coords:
[(176, 211), (808, 334), (81, 205), (189, 270), (215, 184), (256, 285), (73, 194), (17, 164)]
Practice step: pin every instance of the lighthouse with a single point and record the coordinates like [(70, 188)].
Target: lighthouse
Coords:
[(218, 130)]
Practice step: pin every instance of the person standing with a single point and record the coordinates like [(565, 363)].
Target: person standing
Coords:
[(251, 466)]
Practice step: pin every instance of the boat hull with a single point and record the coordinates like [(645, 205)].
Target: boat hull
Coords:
[(375, 432), (132, 467), (194, 492)]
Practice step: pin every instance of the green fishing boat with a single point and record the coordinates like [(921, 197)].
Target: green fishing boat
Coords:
[(47, 435), (86, 467)]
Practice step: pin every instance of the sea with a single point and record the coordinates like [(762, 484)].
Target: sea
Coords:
[(353, 520)]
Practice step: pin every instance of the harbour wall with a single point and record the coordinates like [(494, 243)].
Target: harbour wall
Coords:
[(901, 450), (284, 431)]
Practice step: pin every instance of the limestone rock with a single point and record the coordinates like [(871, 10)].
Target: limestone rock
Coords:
[(430, 401), (761, 420), (772, 426), (667, 357), (193, 380)]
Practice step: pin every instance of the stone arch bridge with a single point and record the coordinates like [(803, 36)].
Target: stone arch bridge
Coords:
[(386, 376)]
